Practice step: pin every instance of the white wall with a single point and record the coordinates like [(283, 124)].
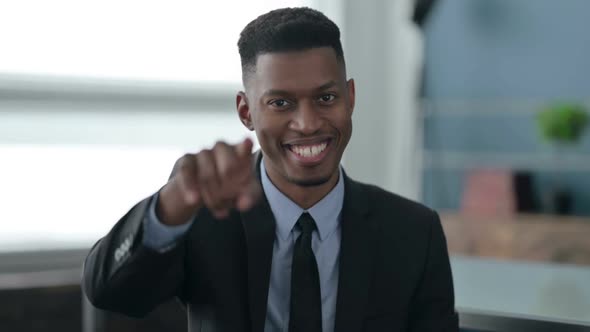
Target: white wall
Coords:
[(384, 54)]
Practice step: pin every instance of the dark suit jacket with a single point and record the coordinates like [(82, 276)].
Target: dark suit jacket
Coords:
[(394, 267)]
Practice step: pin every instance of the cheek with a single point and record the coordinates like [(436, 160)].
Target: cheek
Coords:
[(269, 133), (346, 134), (273, 124), (343, 124)]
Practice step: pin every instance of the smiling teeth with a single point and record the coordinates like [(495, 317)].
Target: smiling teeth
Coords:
[(309, 151)]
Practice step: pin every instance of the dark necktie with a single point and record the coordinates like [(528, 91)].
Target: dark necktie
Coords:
[(306, 299)]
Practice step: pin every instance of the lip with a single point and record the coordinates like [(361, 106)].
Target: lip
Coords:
[(309, 141), (309, 161)]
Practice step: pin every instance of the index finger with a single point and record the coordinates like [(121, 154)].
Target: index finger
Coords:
[(244, 149)]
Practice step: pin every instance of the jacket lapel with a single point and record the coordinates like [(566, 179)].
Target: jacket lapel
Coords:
[(356, 253), (259, 228), (356, 258)]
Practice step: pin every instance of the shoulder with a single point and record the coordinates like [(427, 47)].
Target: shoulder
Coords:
[(392, 212), (381, 201)]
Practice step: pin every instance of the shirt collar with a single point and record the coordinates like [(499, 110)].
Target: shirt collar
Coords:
[(326, 212)]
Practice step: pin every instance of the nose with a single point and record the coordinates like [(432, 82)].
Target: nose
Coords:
[(306, 119)]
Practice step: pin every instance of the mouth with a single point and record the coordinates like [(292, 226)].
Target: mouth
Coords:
[(309, 153)]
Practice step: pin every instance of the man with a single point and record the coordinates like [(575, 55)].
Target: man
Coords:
[(280, 240)]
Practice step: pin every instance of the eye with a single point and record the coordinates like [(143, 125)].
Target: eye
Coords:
[(280, 103), (327, 98)]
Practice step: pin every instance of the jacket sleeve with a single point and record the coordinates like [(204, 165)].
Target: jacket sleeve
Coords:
[(121, 274), (433, 306), (159, 236)]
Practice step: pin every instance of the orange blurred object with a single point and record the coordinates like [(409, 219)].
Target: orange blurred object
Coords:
[(489, 193)]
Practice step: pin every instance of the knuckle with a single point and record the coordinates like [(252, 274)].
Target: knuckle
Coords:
[(206, 174), (206, 164), (205, 180), (186, 180), (184, 160), (219, 145), (181, 165), (225, 170), (204, 154)]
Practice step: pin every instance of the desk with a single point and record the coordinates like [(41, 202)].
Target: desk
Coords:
[(504, 292), (525, 237)]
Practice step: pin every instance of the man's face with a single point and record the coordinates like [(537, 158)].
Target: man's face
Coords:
[(300, 105)]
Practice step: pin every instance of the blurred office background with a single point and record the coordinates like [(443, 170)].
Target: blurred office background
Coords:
[(99, 98)]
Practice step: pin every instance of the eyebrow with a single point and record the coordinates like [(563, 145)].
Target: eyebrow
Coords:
[(322, 87), (326, 86)]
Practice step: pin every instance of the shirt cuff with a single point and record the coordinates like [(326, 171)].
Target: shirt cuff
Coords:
[(158, 236)]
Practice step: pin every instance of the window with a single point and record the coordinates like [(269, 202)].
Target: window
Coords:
[(156, 39), (68, 195), (99, 98)]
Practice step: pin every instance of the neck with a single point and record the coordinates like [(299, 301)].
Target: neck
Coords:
[(308, 196)]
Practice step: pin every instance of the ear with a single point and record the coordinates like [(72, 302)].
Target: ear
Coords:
[(244, 110), (351, 94)]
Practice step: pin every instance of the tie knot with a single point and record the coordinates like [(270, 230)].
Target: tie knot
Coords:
[(306, 223)]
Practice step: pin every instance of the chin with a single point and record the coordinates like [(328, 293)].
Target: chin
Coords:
[(314, 182), (309, 178)]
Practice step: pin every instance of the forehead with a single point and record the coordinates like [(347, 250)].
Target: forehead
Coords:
[(297, 70)]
